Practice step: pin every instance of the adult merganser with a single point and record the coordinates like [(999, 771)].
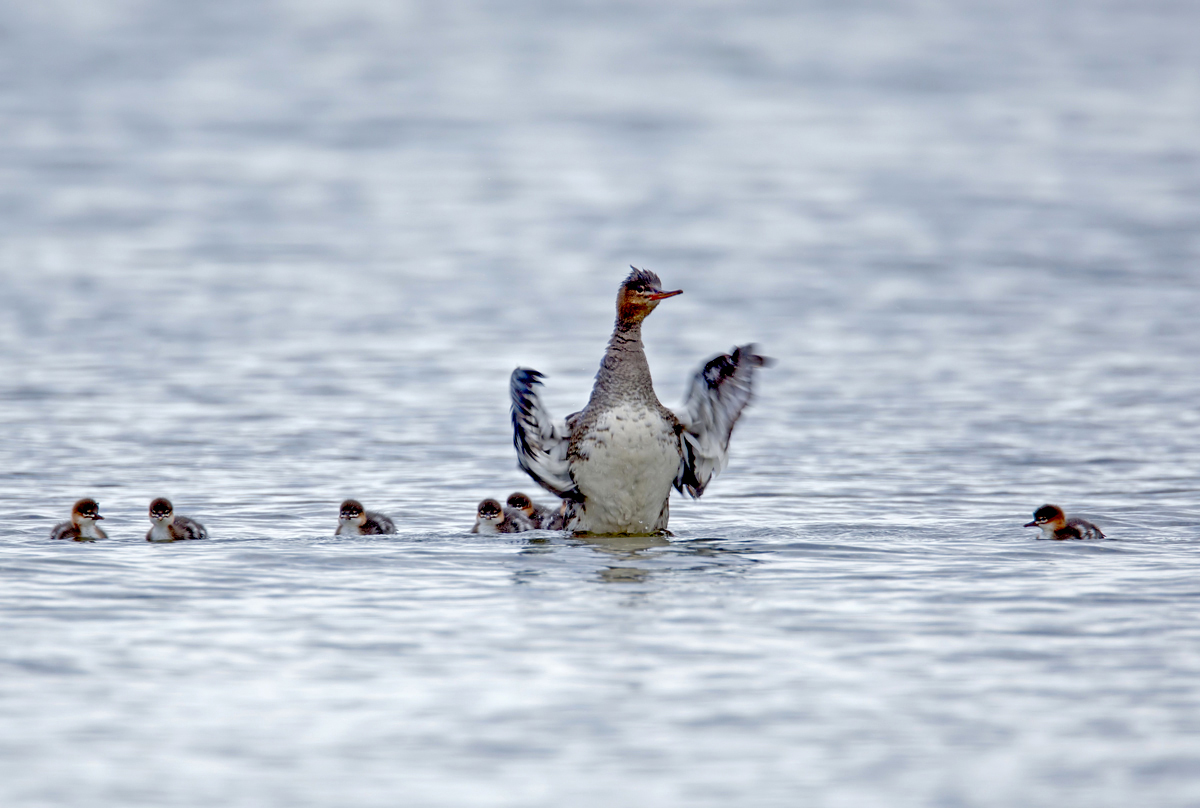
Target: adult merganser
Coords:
[(540, 515), (492, 517), (353, 520), (616, 460), (166, 526), (1055, 525), (82, 526)]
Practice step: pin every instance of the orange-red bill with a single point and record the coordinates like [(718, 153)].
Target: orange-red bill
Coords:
[(661, 295)]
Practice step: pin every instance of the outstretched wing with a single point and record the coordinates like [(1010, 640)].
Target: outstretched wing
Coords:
[(541, 441), (717, 396)]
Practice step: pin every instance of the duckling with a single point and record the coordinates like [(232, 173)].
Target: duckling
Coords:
[(353, 520), (492, 517), (166, 526), (540, 516), (1055, 525), (82, 526)]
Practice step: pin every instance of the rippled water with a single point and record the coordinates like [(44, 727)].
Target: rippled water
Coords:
[(259, 258)]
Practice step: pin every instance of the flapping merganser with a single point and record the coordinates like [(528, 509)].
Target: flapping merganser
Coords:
[(616, 460), (1055, 525)]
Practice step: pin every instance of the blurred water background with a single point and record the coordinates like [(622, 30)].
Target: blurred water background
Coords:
[(258, 257)]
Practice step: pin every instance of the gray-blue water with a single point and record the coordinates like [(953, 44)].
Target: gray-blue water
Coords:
[(258, 257)]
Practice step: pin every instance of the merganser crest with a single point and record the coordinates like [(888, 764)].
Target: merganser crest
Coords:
[(616, 460)]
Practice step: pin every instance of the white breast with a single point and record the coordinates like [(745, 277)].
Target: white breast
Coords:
[(160, 531), (626, 463), (486, 526)]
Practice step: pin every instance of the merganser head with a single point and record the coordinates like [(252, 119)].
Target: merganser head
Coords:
[(490, 511), (161, 511), (639, 294), (1049, 518), (521, 503), (352, 513), (85, 510)]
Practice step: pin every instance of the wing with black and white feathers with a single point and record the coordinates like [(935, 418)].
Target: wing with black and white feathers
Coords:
[(541, 441), (1086, 529), (378, 524), (185, 528), (715, 400)]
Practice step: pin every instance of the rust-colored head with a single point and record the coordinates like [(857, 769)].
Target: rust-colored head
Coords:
[(521, 502), (85, 509), (352, 511), (490, 510), (639, 294), (162, 511)]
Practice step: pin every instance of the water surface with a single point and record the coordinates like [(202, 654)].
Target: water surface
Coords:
[(259, 258)]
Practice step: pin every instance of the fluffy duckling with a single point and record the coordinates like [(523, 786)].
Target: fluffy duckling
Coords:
[(353, 520), (539, 515), (82, 526), (1055, 525), (166, 526), (492, 517)]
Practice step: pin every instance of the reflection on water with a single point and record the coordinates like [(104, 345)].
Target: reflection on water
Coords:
[(259, 258), (639, 557), (624, 575), (624, 548)]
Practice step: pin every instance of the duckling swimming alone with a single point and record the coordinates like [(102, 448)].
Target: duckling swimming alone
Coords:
[(166, 526), (540, 516), (492, 517), (1055, 525), (354, 521), (82, 526), (616, 460)]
